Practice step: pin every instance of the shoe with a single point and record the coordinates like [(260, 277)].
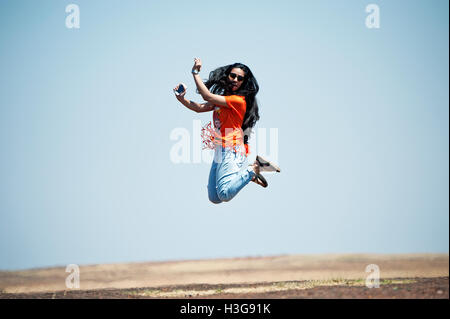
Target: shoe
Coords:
[(266, 166), (260, 180)]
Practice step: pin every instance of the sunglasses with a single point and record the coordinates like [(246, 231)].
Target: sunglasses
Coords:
[(239, 77)]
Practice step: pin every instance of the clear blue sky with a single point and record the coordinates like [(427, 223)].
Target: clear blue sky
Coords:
[(86, 114)]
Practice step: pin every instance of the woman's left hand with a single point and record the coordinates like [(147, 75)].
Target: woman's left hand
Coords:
[(197, 64)]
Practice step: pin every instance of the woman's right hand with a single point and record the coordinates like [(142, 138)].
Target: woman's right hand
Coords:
[(179, 96)]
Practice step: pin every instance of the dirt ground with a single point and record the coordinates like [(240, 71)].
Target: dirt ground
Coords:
[(294, 276)]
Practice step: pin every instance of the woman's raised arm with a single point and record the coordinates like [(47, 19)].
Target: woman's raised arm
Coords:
[(204, 92)]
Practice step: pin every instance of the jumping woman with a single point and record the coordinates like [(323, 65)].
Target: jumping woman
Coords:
[(230, 92)]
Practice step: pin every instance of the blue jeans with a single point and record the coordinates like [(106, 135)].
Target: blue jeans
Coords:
[(228, 175)]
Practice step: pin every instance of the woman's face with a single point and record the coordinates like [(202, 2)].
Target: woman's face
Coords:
[(236, 78)]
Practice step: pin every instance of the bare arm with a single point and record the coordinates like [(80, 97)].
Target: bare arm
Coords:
[(196, 107), (204, 92)]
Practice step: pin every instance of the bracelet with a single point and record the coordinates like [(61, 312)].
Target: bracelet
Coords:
[(195, 72)]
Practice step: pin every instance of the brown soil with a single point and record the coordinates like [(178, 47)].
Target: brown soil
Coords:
[(414, 288), (302, 276)]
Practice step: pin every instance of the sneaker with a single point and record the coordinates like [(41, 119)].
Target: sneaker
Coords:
[(266, 166)]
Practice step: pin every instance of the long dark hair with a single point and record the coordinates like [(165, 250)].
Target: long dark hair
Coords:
[(218, 83)]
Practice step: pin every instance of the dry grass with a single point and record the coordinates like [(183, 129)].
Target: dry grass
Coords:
[(314, 269)]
